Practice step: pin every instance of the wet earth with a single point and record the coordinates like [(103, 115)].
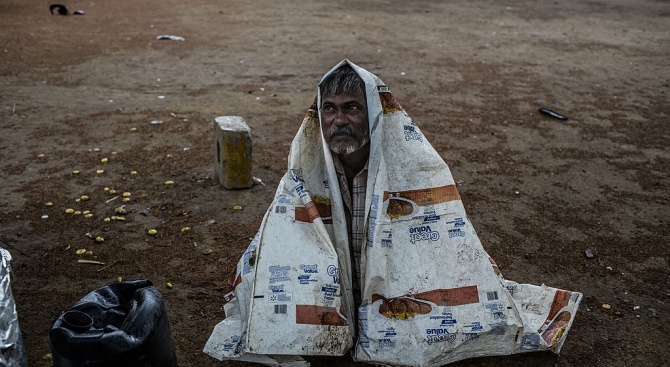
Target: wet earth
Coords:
[(579, 204)]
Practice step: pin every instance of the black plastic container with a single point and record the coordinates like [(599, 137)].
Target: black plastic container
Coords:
[(122, 324)]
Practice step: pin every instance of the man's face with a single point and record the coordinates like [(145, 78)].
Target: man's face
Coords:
[(344, 120)]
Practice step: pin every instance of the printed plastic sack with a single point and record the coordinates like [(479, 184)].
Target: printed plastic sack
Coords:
[(431, 294), (288, 296)]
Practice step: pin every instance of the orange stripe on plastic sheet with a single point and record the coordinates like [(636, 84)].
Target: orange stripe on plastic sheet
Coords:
[(311, 211), (389, 103), (451, 297), (555, 329), (409, 306), (428, 196), (441, 297), (318, 315), (561, 299)]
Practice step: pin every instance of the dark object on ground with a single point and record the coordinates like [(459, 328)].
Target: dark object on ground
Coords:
[(60, 9), (122, 324), (553, 114), (63, 10)]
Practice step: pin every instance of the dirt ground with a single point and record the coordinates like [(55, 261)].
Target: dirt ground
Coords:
[(539, 191)]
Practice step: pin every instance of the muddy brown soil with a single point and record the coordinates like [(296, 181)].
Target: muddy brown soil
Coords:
[(539, 191)]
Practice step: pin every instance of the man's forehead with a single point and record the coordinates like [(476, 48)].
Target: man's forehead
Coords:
[(354, 96)]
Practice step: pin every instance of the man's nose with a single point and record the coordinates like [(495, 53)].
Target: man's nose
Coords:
[(340, 118)]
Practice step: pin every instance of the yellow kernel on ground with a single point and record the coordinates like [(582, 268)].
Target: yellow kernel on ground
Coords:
[(86, 212), (99, 239), (81, 251), (75, 172), (41, 155), (606, 306), (169, 182), (237, 207), (112, 192), (69, 211), (47, 357), (100, 171), (106, 189), (104, 160), (133, 172), (126, 194), (169, 285), (119, 218), (185, 229), (89, 215), (84, 197), (77, 212), (119, 279), (125, 200), (133, 129), (49, 204), (107, 220), (152, 232)]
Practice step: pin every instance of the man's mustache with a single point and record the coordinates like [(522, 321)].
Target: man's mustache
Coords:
[(337, 131)]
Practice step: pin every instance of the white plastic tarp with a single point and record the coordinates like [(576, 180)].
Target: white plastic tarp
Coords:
[(431, 294)]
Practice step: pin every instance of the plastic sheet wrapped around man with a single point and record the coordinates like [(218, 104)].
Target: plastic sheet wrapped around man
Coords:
[(366, 247)]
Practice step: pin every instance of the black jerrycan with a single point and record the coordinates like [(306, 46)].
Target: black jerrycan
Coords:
[(122, 324)]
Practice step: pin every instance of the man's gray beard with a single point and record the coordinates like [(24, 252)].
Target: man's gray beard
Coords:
[(340, 149)]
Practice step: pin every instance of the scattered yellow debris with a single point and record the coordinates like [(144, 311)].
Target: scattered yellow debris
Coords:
[(152, 232)]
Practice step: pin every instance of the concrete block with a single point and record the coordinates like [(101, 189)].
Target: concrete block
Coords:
[(233, 152)]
